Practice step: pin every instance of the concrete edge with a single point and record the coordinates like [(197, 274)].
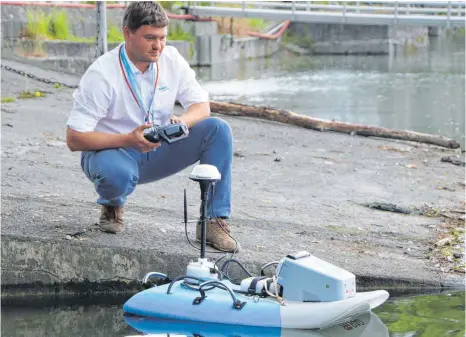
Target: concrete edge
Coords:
[(39, 267)]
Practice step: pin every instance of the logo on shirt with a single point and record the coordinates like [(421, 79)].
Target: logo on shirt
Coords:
[(163, 88)]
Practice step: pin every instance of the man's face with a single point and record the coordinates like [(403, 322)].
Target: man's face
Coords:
[(146, 43)]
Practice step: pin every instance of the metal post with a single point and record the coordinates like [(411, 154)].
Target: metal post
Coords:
[(102, 27), (449, 14), (344, 11)]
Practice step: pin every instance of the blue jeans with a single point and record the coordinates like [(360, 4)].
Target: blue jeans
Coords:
[(116, 172)]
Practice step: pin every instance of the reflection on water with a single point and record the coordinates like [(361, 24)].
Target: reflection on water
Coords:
[(421, 316), (425, 316), (366, 325), (423, 91)]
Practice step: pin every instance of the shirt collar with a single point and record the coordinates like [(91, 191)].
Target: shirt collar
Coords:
[(135, 70)]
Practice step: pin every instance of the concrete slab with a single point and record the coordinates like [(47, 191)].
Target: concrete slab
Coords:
[(293, 189)]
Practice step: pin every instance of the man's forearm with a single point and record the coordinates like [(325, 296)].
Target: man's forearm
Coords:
[(195, 113), (91, 141)]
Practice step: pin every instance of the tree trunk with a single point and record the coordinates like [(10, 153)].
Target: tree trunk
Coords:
[(289, 117)]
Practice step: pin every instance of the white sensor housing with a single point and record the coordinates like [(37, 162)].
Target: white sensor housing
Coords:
[(205, 172)]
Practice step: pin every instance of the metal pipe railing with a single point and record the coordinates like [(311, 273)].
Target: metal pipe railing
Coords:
[(385, 12), (456, 7)]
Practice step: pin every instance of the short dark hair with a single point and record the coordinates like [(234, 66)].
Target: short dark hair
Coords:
[(142, 13)]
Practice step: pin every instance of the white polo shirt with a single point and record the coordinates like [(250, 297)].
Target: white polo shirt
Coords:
[(103, 101)]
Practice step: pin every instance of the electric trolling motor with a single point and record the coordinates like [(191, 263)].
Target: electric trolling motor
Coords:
[(207, 176)]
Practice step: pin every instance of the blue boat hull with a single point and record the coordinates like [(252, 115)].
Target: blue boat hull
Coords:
[(217, 307)]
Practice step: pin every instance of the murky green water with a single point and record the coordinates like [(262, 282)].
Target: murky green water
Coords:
[(423, 91), (440, 315)]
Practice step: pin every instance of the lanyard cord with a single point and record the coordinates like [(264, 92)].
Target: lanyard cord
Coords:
[(130, 89)]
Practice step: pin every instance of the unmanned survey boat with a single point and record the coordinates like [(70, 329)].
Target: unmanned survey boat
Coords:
[(304, 292)]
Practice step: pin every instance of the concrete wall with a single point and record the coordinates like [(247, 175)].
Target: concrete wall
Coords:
[(357, 39), (81, 21), (206, 48), (219, 49), (68, 56)]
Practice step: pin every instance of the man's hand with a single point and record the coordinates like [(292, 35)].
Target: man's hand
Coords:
[(194, 114), (137, 140), (175, 120)]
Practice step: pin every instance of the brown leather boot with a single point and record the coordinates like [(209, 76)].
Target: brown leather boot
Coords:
[(111, 219), (218, 235)]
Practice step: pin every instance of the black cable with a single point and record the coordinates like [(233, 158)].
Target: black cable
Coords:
[(221, 273), (194, 287), (189, 241), (241, 266), (227, 275), (217, 261)]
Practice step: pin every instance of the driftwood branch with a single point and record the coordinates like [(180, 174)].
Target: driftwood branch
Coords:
[(453, 160), (289, 117)]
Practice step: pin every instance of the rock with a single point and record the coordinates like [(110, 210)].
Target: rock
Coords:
[(457, 255), (443, 242)]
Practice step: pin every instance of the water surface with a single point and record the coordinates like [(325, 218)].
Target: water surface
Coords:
[(422, 91), (434, 315)]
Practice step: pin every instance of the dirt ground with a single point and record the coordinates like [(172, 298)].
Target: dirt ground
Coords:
[(293, 189)]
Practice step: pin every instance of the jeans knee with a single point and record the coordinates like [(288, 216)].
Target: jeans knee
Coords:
[(114, 182), (222, 127)]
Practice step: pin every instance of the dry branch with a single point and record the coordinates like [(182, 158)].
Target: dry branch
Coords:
[(289, 117), (453, 160)]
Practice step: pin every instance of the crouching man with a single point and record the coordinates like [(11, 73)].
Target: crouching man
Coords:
[(127, 90)]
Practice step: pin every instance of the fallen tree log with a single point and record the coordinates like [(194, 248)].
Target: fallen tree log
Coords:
[(289, 117)]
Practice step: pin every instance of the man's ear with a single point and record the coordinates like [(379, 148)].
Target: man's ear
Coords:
[(126, 32)]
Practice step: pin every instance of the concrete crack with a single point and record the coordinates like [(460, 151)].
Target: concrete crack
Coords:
[(33, 270)]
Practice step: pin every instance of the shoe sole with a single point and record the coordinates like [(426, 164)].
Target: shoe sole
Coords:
[(111, 232), (238, 247)]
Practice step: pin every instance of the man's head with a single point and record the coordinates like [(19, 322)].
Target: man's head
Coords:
[(145, 27)]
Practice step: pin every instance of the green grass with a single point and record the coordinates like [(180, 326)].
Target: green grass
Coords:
[(54, 26), (30, 94), (168, 5), (114, 33), (8, 99), (176, 33), (59, 25), (38, 25), (303, 41), (342, 229), (257, 24)]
